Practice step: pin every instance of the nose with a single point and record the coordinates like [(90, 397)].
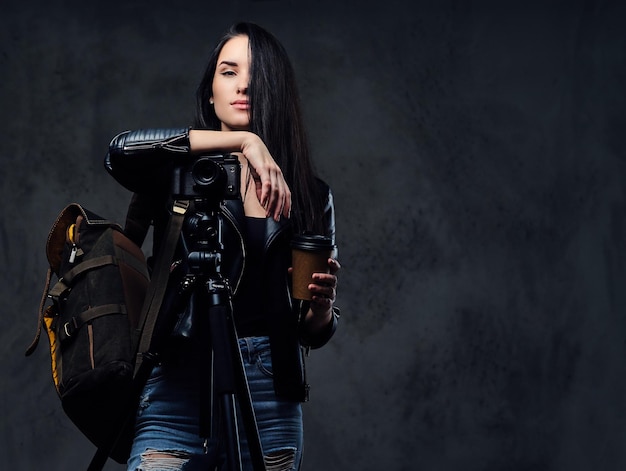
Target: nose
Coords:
[(242, 87)]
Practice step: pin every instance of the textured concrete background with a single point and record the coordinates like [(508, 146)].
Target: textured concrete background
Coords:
[(476, 154)]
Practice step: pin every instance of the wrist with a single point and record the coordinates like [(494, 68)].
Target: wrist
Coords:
[(316, 336), (317, 320), (247, 139)]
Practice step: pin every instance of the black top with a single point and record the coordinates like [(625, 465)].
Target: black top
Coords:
[(248, 309)]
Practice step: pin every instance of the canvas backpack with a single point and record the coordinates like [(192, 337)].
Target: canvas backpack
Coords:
[(99, 318)]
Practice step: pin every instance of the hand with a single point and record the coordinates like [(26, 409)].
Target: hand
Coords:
[(271, 188), (323, 290)]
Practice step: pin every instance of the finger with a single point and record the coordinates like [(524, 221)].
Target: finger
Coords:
[(335, 266), (287, 205), (272, 193), (262, 182), (325, 279), (259, 191), (285, 199), (278, 197), (325, 291), (266, 188), (281, 192), (321, 303)]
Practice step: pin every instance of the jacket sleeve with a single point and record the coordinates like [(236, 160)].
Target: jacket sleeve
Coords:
[(319, 339), (141, 160)]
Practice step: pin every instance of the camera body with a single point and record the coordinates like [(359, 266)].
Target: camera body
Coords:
[(212, 177)]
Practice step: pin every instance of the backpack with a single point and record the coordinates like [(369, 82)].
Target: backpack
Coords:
[(102, 278), (101, 321)]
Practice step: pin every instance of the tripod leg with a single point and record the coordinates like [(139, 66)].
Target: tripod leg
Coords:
[(230, 381), (233, 449), (224, 383), (247, 414)]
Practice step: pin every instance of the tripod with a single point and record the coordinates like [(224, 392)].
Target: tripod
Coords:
[(210, 297)]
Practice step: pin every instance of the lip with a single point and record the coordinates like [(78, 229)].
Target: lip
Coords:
[(241, 104)]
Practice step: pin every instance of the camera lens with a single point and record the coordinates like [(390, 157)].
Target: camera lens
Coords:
[(205, 172)]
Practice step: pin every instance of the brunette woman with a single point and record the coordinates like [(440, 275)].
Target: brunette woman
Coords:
[(247, 105)]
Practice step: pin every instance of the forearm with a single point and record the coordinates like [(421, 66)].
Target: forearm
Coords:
[(201, 141)]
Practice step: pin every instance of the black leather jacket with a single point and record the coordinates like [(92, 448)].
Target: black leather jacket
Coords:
[(128, 156)]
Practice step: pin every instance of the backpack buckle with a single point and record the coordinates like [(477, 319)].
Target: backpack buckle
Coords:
[(70, 327)]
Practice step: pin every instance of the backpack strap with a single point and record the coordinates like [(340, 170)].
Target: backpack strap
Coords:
[(33, 345), (158, 282), (65, 283), (141, 212), (85, 317)]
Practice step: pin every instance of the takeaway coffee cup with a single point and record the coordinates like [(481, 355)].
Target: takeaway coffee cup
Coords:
[(310, 255)]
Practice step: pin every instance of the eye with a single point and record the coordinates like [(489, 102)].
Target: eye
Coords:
[(227, 71)]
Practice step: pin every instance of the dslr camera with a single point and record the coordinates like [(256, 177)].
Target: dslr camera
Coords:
[(214, 177)]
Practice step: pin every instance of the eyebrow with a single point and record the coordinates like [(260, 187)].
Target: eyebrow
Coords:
[(230, 63)]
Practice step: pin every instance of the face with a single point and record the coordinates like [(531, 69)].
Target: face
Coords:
[(230, 85)]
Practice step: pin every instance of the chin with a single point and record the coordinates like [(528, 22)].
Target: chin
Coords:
[(235, 127)]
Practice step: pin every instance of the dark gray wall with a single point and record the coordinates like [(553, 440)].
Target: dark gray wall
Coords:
[(476, 154)]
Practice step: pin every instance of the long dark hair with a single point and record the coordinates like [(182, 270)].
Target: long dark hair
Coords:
[(275, 117)]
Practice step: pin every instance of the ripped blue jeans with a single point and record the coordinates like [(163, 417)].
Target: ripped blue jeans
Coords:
[(167, 426)]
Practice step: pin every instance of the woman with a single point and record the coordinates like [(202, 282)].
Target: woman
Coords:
[(248, 106)]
